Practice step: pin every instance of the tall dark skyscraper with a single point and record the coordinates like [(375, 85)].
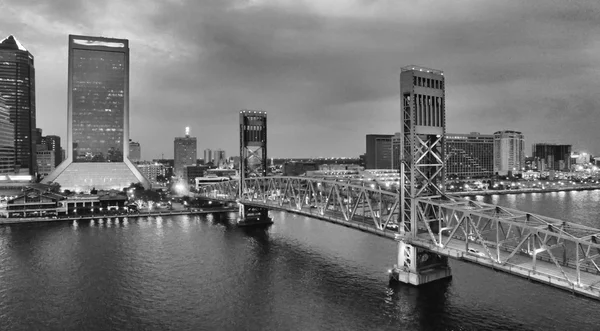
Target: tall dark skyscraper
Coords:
[(379, 151), (7, 140), (98, 117), (17, 87)]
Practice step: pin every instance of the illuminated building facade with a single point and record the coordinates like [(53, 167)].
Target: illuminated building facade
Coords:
[(469, 155), (509, 152), (185, 153), (98, 117), (17, 87)]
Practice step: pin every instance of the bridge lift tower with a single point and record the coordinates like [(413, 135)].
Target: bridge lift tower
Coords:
[(422, 171), (253, 163)]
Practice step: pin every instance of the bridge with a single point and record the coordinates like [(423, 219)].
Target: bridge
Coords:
[(428, 225)]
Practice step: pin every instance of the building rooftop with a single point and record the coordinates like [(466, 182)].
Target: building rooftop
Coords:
[(11, 42), (424, 69)]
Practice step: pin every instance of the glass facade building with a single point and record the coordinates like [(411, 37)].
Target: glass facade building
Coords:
[(98, 117), (469, 155), (17, 87), (7, 140)]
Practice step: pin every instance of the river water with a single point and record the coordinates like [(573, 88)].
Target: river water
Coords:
[(203, 273)]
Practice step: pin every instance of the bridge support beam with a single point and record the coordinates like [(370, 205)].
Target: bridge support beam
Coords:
[(253, 216), (417, 266)]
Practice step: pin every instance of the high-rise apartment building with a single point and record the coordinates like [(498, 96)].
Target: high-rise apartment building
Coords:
[(552, 157), (185, 153), (469, 155), (17, 87), (98, 117), (219, 157), (379, 151), (509, 152), (7, 140), (208, 156), (135, 151)]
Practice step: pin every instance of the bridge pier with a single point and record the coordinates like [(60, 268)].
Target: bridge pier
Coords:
[(417, 266), (253, 216)]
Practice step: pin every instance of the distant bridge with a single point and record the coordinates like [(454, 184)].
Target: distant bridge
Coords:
[(551, 251)]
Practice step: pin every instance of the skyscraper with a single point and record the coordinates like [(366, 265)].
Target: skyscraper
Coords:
[(552, 156), (509, 152), (98, 117), (379, 151), (135, 151), (185, 153), (17, 87), (219, 157), (7, 140), (53, 143), (207, 156)]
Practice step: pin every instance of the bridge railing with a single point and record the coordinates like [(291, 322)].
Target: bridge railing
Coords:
[(509, 236), (353, 203)]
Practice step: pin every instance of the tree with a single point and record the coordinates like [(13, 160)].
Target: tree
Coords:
[(93, 191)]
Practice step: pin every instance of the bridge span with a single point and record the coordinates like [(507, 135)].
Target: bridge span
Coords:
[(551, 251)]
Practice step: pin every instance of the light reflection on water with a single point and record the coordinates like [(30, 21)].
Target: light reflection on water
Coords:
[(203, 273)]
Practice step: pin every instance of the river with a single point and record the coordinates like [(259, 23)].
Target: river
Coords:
[(203, 273)]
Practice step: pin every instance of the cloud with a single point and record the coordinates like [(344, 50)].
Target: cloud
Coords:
[(327, 71)]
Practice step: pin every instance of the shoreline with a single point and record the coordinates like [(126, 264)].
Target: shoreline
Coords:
[(527, 190), (5, 221)]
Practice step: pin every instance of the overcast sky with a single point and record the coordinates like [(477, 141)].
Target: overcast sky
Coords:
[(326, 71)]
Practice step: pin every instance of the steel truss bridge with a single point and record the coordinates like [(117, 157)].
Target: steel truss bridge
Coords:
[(547, 250)]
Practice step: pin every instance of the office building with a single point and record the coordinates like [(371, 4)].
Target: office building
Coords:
[(208, 156), (7, 140), (191, 172), (469, 155), (379, 151), (299, 168), (219, 158), (152, 170), (17, 86), (185, 153), (396, 150), (509, 152), (135, 151), (98, 117), (53, 144), (551, 157), (45, 159)]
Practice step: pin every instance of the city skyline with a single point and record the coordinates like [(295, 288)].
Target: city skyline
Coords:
[(344, 75)]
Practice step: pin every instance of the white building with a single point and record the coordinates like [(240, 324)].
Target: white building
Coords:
[(509, 152)]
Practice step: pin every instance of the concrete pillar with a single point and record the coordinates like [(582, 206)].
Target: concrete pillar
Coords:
[(253, 216), (417, 266)]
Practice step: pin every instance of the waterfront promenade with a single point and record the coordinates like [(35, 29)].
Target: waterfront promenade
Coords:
[(174, 212), (529, 190)]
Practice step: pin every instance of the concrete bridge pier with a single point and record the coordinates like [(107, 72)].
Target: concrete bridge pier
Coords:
[(417, 266), (253, 216)]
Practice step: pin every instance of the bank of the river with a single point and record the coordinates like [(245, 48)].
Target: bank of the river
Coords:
[(130, 215), (528, 190)]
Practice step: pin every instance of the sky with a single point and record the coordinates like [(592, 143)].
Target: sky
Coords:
[(326, 71)]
